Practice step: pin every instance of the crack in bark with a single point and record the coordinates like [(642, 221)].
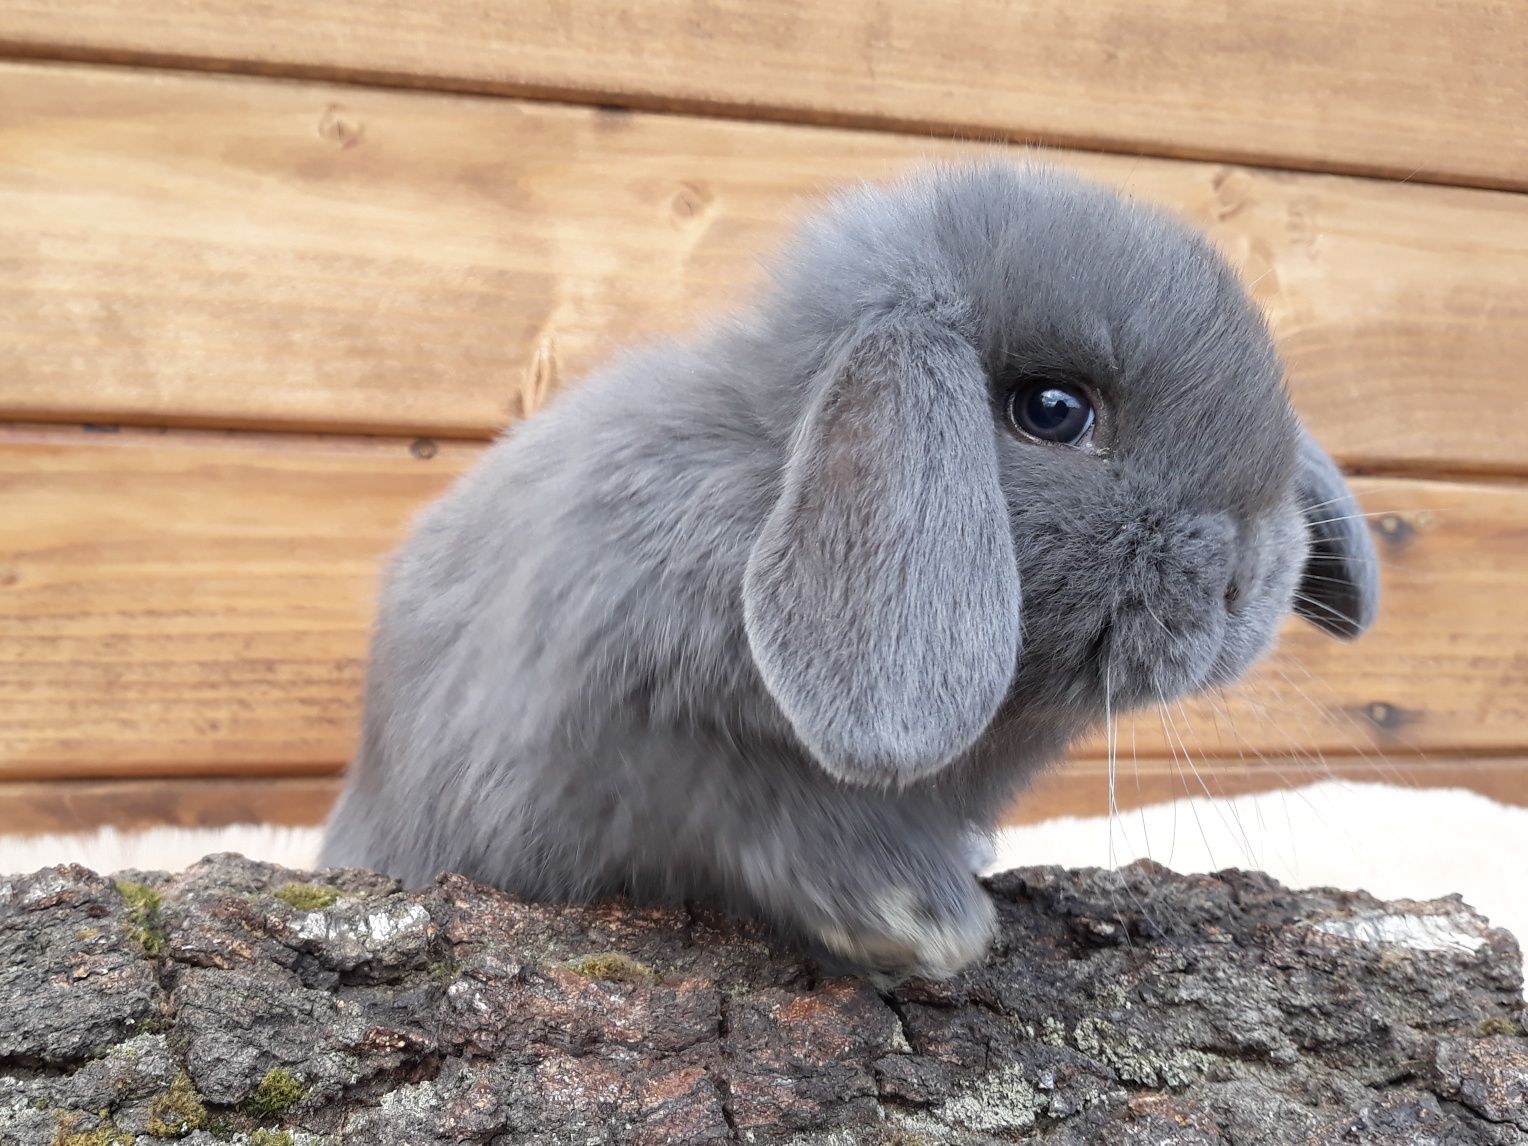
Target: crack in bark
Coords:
[(720, 1080), (483, 1024)]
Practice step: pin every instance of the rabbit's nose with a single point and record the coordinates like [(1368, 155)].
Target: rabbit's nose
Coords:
[(1241, 584), (1236, 595)]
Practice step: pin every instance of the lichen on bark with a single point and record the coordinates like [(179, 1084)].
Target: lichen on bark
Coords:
[(1133, 1007)]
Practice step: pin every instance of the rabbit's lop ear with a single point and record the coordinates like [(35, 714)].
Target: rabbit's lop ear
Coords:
[(1339, 592), (881, 599)]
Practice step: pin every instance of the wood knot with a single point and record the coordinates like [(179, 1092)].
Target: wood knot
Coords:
[(691, 201), (423, 448), (1233, 192), (338, 126), (540, 379), (1387, 717), (1395, 531)]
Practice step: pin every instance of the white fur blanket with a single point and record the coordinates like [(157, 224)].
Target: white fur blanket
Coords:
[(1392, 841)]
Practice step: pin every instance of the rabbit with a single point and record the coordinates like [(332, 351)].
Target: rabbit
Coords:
[(782, 616)]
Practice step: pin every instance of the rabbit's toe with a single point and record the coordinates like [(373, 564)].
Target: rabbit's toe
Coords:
[(902, 934)]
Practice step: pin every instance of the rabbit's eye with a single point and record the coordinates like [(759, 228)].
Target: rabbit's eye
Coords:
[(1051, 412)]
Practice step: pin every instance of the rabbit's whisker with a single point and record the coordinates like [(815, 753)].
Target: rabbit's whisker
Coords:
[(1315, 764), (1235, 815), (1218, 708), (1161, 624), (1330, 716), (1335, 831), (1140, 798), (1111, 732), (1365, 514), (1289, 786), (1172, 745), (1264, 761), (1109, 743), (1335, 715), (1323, 504), (1328, 580), (1342, 559), (1324, 607)]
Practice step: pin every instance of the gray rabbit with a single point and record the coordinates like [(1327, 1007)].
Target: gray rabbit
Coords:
[(782, 617)]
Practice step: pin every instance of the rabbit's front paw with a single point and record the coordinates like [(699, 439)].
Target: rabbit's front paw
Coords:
[(901, 932)]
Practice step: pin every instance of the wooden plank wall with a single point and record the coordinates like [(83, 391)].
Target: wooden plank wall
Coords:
[(270, 277)]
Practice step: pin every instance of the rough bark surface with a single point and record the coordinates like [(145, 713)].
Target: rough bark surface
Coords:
[(240, 1001)]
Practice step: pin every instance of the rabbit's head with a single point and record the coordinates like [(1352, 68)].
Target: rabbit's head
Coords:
[(1040, 459)]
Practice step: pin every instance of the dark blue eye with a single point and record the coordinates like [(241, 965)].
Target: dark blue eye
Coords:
[(1051, 412)]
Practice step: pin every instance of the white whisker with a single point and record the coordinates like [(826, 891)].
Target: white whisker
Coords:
[(1172, 746), (1219, 804), (1332, 610), (1369, 514)]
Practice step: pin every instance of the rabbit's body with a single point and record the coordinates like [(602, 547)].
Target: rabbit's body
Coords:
[(609, 748), (740, 619)]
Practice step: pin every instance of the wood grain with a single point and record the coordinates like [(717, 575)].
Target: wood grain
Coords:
[(189, 604), (208, 251), (196, 604), (1077, 789), (1400, 87), (1081, 787), (59, 806)]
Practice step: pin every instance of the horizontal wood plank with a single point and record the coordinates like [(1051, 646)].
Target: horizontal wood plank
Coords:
[(197, 604), (1400, 87), (1080, 788), (193, 250), (31, 808), (51, 807), (192, 604)]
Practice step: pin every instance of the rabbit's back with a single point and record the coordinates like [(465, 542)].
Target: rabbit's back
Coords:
[(571, 597)]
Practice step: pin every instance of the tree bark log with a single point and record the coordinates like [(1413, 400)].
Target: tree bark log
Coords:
[(243, 1002)]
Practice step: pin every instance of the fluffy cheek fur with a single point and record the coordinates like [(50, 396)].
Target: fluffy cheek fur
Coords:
[(1127, 598)]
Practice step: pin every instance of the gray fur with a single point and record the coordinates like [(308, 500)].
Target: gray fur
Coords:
[(738, 619), (881, 600), (1340, 590)]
